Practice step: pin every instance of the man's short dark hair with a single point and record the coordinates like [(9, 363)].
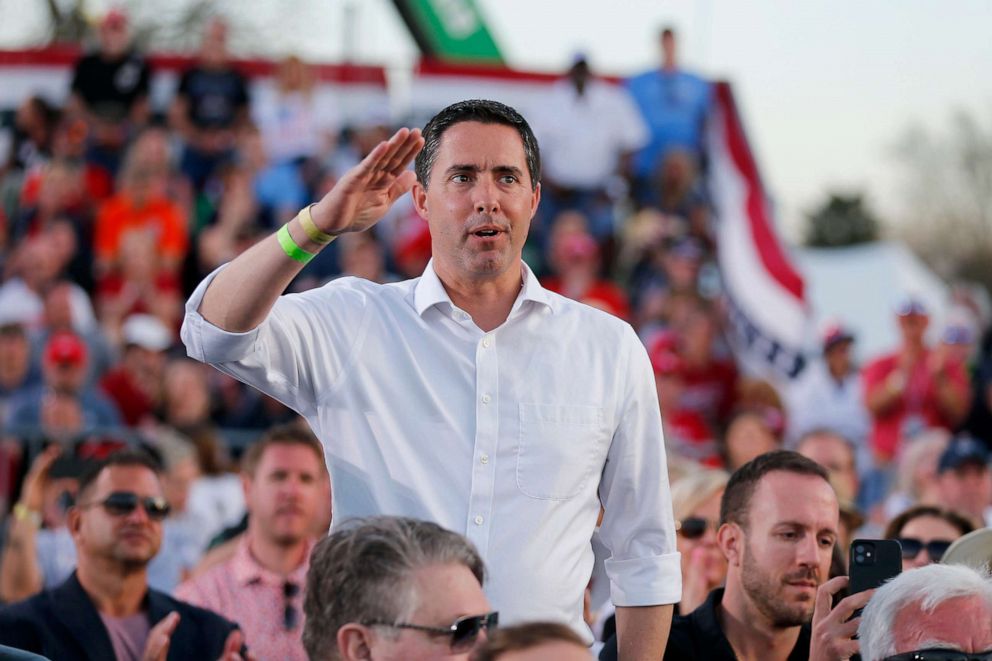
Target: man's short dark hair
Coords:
[(736, 502), (484, 112), (13, 329), (362, 573), (120, 458), (288, 434)]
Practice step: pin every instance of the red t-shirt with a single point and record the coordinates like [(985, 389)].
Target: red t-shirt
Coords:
[(113, 286), (710, 390), (602, 294), (917, 406), (133, 404), (689, 435)]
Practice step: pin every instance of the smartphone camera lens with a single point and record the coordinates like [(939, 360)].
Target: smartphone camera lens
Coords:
[(863, 554)]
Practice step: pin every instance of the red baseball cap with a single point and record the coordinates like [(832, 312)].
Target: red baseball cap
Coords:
[(115, 18), (835, 334), (65, 348), (666, 363)]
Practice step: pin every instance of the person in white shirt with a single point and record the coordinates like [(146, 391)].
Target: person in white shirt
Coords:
[(589, 130), (829, 395), (471, 396)]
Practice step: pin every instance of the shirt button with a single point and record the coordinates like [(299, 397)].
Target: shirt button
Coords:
[(478, 519), (484, 458), (486, 399), (487, 342)]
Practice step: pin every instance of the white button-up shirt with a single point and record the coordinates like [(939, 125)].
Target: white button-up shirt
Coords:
[(511, 438)]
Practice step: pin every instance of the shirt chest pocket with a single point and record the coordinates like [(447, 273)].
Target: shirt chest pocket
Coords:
[(559, 449)]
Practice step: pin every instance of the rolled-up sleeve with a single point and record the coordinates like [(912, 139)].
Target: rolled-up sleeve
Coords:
[(638, 527), (208, 343), (298, 351)]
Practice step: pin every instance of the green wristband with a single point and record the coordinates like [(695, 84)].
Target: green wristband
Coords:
[(289, 246)]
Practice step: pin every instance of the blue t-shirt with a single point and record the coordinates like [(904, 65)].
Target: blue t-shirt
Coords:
[(674, 105), (278, 188)]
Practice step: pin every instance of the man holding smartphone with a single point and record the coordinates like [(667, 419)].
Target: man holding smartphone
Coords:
[(779, 521)]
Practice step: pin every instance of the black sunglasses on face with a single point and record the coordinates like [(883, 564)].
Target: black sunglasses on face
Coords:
[(290, 616), (940, 655), (122, 503), (936, 548), (464, 632), (694, 527)]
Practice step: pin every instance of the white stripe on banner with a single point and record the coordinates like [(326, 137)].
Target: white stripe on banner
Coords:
[(768, 311)]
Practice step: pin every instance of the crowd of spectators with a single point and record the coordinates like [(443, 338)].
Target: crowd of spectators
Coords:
[(111, 210)]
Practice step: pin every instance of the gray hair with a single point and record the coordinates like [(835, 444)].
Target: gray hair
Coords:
[(926, 587), (363, 572)]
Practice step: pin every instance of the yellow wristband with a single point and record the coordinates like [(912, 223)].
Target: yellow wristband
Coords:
[(310, 227), (23, 513)]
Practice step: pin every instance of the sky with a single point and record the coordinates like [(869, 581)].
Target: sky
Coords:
[(825, 88)]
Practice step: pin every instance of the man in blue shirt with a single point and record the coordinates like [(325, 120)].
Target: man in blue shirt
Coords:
[(675, 105)]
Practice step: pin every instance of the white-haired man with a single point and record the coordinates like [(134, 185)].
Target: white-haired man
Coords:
[(932, 613)]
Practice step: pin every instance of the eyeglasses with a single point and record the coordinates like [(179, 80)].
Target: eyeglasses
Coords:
[(935, 654), (936, 548), (122, 503), (694, 527), (464, 632), (290, 616)]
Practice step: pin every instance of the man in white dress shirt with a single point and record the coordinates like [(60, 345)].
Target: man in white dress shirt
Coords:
[(471, 396)]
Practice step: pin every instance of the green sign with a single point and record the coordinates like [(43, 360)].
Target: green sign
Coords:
[(452, 30)]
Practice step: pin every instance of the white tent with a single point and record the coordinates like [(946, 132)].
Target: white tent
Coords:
[(861, 286)]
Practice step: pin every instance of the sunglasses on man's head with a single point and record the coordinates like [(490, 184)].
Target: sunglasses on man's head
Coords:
[(464, 631), (935, 654), (694, 527), (936, 548), (122, 503)]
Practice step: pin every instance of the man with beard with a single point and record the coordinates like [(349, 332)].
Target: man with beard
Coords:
[(778, 525), (471, 396), (260, 587), (106, 610)]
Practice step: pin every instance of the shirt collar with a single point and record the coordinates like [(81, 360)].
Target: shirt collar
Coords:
[(708, 624), (246, 569), (429, 291)]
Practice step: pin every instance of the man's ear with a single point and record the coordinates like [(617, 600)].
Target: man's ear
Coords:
[(419, 194), (73, 520), (354, 642), (730, 539), (536, 199), (246, 480)]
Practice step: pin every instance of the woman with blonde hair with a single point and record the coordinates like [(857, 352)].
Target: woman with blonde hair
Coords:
[(916, 473), (696, 504)]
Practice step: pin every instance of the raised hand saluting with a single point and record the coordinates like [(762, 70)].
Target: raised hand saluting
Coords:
[(364, 194)]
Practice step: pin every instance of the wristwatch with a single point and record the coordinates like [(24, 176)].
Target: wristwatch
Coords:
[(24, 513)]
